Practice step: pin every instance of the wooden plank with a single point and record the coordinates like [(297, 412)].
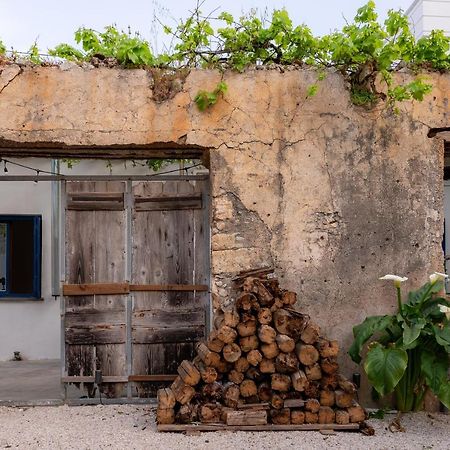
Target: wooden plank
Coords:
[(91, 379), (158, 318), (148, 378), (293, 403), (249, 417), (168, 287), (89, 317), (254, 406), (95, 289), (99, 334), (95, 201), (223, 427), (145, 335), (167, 203)]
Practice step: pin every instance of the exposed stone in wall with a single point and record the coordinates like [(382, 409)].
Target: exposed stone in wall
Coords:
[(332, 195)]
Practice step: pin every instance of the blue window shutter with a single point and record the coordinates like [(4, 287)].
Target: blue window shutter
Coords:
[(37, 253)]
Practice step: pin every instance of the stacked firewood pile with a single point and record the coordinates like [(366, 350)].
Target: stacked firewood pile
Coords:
[(264, 362)]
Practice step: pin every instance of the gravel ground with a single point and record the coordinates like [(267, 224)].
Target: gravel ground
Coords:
[(133, 427)]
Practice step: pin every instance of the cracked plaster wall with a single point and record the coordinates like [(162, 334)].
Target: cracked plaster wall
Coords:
[(332, 195)]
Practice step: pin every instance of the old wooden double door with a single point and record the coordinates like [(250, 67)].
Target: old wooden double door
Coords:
[(136, 288)]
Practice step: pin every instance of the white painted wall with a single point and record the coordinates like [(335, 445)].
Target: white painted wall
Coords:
[(29, 326), (427, 15)]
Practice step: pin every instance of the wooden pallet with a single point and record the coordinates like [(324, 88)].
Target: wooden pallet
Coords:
[(223, 427)]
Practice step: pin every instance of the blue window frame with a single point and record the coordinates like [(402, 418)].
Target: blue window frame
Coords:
[(20, 256)]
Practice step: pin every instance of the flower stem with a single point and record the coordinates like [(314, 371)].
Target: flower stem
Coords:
[(399, 301)]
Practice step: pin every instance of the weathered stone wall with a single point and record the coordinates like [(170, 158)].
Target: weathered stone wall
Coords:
[(332, 195)]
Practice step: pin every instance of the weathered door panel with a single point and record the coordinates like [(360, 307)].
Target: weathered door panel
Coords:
[(169, 247), (95, 325)]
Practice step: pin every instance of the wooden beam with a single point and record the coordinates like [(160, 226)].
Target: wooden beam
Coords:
[(125, 288), (91, 379), (95, 289), (148, 378), (223, 427), (118, 379), (169, 287)]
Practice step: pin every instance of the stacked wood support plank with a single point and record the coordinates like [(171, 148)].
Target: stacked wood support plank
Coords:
[(265, 363)]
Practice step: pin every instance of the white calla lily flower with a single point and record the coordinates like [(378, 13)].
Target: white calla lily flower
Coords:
[(446, 310), (437, 276), (395, 278)]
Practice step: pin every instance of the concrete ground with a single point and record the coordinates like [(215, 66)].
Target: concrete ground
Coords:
[(23, 381)]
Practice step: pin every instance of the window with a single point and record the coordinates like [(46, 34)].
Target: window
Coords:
[(20, 256)]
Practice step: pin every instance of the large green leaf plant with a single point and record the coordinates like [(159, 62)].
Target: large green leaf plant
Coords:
[(408, 352)]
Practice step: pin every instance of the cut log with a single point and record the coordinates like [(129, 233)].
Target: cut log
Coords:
[(260, 406), (280, 416), (307, 354), (342, 417), (231, 318), (264, 295), (297, 417), (225, 411), (264, 316), (294, 403), (218, 319), (313, 372), (223, 366), (346, 385), (165, 416), (182, 391), (166, 398), (213, 392), (207, 356), (343, 399), (267, 334), (312, 390), (248, 388), (231, 394), (254, 374), (231, 352), (247, 302), (312, 405), (329, 365), (285, 343), (310, 334), (328, 349), (247, 328), (264, 392), (277, 304), (326, 415), (280, 382), (247, 417), (226, 334), (328, 382), (327, 398), (267, 366), (189, 373), (311, 417), (210, 413), (248, 343), (187, 414), (254, 357), (214, 343), (276, 401), (289, 298), (286, 363), (241, 365), (270, 351), (299, 381), (208, 374), (356, 414), (288, 323), (236, 377)]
